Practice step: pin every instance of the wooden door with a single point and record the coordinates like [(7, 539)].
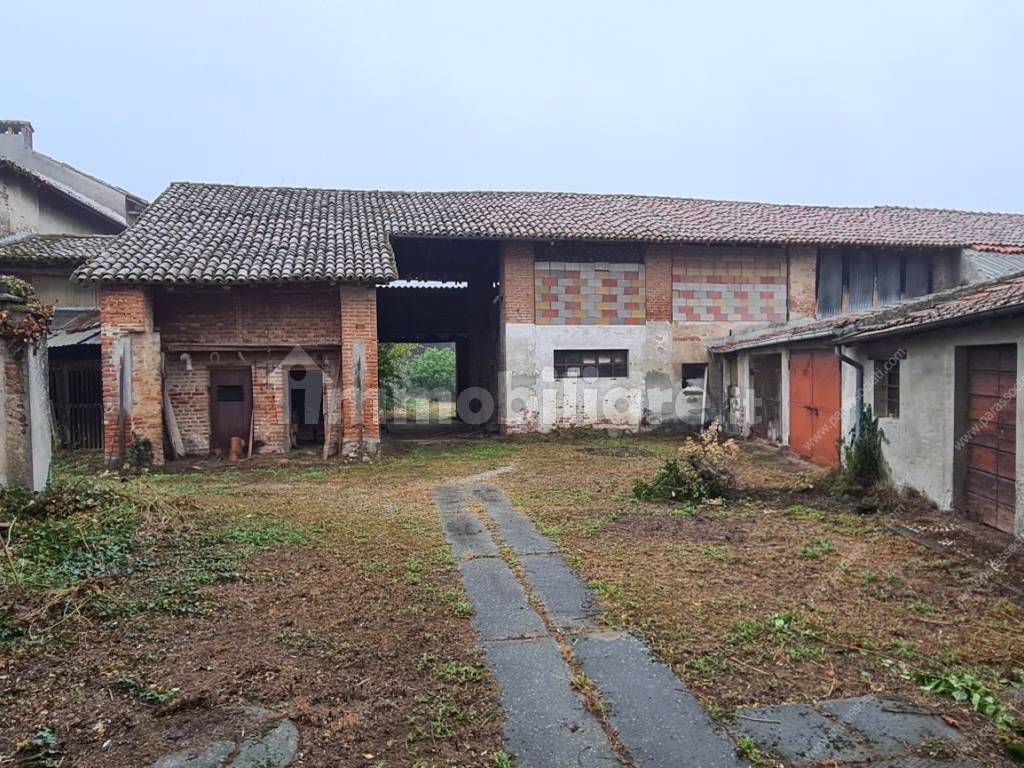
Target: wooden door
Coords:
[(815, 423), (766, 381), (230, 406), (991, 435)]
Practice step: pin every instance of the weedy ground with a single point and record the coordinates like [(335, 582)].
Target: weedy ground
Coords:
[(325, 592)]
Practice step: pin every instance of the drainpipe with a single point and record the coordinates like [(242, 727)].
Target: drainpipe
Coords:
[(858, 398)]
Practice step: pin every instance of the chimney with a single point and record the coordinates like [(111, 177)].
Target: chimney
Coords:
[(16, 133)]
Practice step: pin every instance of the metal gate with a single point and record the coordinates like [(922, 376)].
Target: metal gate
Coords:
[(76, 393)]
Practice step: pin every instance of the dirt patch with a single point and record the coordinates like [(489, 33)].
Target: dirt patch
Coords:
[(689, 528), (786, 592), (342, 611), (618, 451)]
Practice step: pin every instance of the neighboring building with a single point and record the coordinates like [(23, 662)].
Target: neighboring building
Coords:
[(941, 373), (54, 217), (573, 310), (25, 435)]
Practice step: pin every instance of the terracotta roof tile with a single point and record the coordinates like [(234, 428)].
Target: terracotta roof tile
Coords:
[(73, 249), (967, 303), (227, 234)]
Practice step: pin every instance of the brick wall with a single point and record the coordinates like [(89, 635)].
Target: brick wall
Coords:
[(126, 313), (589, 293), (301, 315), (517, 282), (189, 393), (17, 470), (304, 325), (803, 267), (360, 401), (658, 274), (732, 285)]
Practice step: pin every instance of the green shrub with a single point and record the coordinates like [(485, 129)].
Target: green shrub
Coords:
[(700, 472), (392, 368), (433, 369), (863, 463), (73, 531), (139, 455), (963, 686)]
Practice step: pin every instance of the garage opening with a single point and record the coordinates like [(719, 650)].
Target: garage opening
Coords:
[(306, 407), (441, 322)]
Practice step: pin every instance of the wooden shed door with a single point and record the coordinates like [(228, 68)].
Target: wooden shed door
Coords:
[(814, 402), (230, 406), (766, 381), (992, 435)]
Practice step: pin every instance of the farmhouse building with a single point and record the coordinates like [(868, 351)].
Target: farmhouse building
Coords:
[(224, 305), (941, 374), (53, 218)]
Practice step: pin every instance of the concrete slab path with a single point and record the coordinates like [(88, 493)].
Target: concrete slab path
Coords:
[(654, 717)]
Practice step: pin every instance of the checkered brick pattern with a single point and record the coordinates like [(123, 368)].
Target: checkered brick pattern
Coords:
[(589, 293), (729, 287)]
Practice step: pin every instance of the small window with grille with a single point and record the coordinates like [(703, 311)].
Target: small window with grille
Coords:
[(887, 387), (590, 363)]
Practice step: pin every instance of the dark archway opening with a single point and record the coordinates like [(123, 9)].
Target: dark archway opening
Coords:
[(447, 298)]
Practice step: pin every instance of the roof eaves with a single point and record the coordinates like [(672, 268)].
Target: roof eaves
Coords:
[(73, 195)]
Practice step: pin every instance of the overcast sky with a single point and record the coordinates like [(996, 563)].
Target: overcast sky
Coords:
[(897, 102)]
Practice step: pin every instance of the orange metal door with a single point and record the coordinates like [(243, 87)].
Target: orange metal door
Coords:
[(814, 406)]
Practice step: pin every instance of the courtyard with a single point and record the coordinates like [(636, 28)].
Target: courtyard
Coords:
[(144, 615)]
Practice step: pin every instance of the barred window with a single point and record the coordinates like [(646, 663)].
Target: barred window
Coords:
[(590, 363), (887, 387)]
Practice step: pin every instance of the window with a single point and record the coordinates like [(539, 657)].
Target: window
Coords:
[(850, 280), (693, 376), (230, 393), (590, 364), (887, 386)]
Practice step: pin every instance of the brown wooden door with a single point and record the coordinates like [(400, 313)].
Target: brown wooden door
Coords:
[(814, 402), (991, 435), (230, 406), (766, 381)]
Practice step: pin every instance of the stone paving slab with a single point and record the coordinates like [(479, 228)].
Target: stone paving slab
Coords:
[(800, 734), (274, 749), (501, 608), (517, 531), (658, 720), (546, 725), (212, 756), (467, 536), (920, 762), (891, 727), (569, 603)]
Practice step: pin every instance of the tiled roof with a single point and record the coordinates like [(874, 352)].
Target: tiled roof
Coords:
[(228, 234), (1003, 295), (73, 249)]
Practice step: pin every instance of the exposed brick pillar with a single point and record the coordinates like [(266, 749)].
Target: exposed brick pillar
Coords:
[(803, 269), (658, 270), (126, 314), (517, 307), (517, 282), (360, 420)]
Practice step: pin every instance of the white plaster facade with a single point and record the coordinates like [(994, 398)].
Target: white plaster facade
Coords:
[(921, 445), (534, 400)]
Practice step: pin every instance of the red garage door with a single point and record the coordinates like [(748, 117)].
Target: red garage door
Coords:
[(814, 417), (992, 434)]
